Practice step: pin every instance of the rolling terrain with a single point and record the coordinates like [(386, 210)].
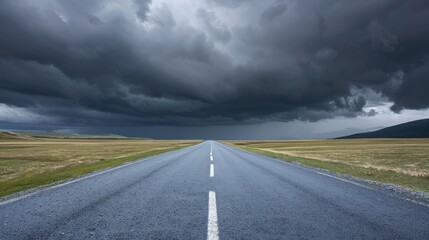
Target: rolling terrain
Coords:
[(8, 135), (414, 129)]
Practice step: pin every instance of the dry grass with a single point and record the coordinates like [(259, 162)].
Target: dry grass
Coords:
[(405, 157), (21, 158)]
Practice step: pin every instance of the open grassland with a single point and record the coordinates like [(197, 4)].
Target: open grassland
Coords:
[(28, 163), (399, 161)]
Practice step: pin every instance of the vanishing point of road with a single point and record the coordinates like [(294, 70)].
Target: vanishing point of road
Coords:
[(212, 191)]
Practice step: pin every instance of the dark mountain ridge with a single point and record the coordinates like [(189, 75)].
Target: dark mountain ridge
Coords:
[(413, 129)]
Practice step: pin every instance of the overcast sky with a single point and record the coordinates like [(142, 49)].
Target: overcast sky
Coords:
[(213, 68)]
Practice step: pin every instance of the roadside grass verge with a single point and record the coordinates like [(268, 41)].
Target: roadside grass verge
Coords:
[(420, 183), (67, 172)]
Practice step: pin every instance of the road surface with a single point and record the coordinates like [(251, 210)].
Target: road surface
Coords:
[(212, 191)]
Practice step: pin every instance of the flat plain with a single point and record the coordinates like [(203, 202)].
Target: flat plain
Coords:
[(248, 196), (27, 162), (399, 161)]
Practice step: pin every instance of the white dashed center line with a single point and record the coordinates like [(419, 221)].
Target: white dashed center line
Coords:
[(211, 170), (212, 224)]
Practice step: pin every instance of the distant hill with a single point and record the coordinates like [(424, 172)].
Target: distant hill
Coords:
[(7, 135), (414, 129), (32, 135), (344, 132), (62, 135)]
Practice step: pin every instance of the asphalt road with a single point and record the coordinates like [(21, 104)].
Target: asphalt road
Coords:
[(237, 195)]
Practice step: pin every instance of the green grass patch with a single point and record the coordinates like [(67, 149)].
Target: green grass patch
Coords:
[(39, 179), (385, 176)]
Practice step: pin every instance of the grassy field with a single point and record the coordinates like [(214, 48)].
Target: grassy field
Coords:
[(399, 161), (28, 163)]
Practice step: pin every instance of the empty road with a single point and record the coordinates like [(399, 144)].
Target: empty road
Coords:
[(212, 191)]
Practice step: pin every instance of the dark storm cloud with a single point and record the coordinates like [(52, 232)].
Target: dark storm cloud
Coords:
[(216, 29), (142, 8), (229, 3), (110, 62), (276, 9)]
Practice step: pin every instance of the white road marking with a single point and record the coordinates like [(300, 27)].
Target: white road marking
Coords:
[(212, 224), (90, 175), (342, 179), (367, 187), (211, 170), (306, 168), (211, 158), (211, 149), (67, 183)]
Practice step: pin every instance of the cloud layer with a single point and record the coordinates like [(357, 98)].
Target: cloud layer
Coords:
[(142, 62)]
